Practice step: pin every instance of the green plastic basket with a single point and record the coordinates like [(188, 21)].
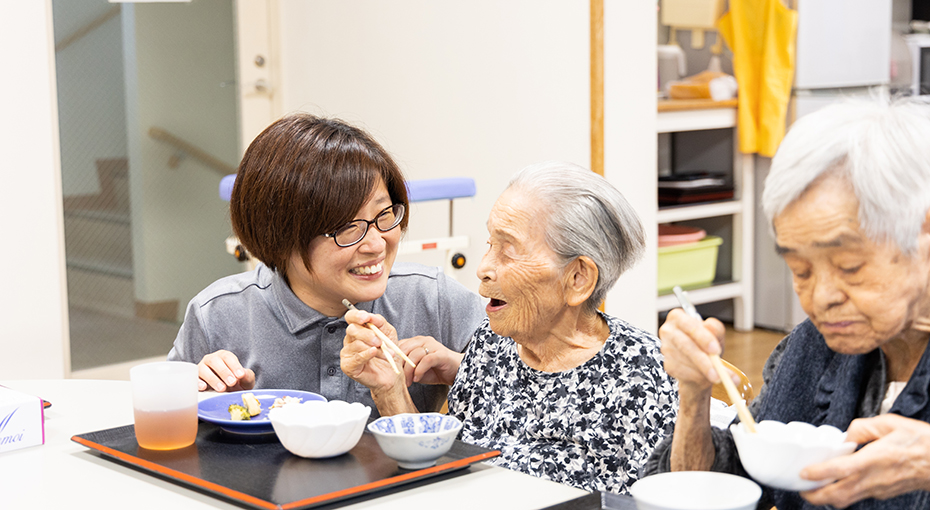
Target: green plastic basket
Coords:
[(688, 265)]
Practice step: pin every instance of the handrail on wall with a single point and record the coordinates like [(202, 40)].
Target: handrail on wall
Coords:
[(186, 148), (88, 28)]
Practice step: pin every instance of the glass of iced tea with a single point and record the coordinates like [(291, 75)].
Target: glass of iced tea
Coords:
[(164, 401)]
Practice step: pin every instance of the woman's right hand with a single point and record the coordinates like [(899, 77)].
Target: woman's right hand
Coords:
[(221, 371), (687, 344), (362, 357)]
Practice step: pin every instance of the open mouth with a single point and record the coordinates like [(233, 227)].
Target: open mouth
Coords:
[(495, 305), (367, 270)]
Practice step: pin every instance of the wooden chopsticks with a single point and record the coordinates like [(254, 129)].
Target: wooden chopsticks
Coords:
[(735, 397), (922, 324), (386, 342)]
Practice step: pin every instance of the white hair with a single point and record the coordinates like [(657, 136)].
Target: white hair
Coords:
[(586, 216), (881, 146)]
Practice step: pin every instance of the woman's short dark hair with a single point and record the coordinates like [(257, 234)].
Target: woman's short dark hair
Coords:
[(304, 176)]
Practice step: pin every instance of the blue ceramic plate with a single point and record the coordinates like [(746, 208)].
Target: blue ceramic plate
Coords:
[(216, 409)]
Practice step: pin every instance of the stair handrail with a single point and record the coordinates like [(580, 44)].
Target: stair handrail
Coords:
[(185, 147), (88, 28)]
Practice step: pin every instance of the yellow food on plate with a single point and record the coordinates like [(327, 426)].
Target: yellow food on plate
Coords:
[(238, 413), (252, 404)]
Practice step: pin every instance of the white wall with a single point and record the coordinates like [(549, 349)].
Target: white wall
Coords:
[(33, 310), (481, 89), (476, 89), (630, 146)]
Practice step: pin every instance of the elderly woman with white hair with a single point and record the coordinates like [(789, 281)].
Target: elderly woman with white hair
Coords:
[(564, 391), (848, 197)]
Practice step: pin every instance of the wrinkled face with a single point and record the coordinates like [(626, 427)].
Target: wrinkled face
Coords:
[(858, 294), (357, 273), (520, 273)]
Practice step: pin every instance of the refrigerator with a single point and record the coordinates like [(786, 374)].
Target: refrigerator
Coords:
[(843, 49)]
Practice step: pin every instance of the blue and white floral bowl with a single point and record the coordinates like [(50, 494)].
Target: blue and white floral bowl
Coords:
[(415, 441)]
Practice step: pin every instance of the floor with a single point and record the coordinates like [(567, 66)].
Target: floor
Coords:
[(100, 340)]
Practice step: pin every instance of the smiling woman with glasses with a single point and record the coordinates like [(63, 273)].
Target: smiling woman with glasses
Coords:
[(307, 192)]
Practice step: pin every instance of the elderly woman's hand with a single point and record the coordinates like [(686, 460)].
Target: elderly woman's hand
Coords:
[(686, 345), (436, 363), (896, 460)]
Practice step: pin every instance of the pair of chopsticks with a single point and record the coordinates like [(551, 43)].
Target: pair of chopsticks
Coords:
[(741, 408), (922, 324), (386, 343)]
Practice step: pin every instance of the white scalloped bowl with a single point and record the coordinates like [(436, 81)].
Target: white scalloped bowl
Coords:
[(415, 440), (777, 452), (318, 429), (695, 490)]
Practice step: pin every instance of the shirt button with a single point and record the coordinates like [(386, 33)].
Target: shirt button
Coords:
[(331, 371), (331, 329)]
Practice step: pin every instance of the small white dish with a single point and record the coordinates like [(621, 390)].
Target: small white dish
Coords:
[(319, 429), (777, 452), (415, 440), (690, 490)]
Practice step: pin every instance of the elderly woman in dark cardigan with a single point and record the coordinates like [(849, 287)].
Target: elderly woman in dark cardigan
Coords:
[(848, 197), (565, 392)]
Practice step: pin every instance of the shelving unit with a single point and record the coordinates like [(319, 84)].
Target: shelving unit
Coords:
[(693, 115)]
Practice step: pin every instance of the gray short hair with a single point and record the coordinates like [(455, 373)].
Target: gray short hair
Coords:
[(881, 145), (587, 216)]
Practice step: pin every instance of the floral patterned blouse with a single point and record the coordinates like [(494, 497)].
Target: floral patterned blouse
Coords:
[(592, 426)]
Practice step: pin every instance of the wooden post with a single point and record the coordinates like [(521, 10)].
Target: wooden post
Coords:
[(597, 90), (597, 86)]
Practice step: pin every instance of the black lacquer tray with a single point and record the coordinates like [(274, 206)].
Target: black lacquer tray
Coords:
[(258, 472), (597, 501)]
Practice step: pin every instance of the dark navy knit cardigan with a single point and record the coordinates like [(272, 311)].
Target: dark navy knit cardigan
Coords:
[(806, 381)]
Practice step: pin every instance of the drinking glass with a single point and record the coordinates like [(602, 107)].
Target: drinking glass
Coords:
[(164, 402)]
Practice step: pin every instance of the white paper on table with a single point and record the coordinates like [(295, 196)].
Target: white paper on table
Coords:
[(721, 415)]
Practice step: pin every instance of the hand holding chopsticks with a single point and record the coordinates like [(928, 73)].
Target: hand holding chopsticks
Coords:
[(735, 397), (386, 344)]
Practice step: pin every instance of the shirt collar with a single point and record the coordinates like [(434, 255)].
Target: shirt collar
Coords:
[(297, 316), (913, 399)]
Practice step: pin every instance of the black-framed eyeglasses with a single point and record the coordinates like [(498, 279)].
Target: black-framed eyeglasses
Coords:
[(354, 231)]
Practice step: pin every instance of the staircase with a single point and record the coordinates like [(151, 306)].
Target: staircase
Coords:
[(108, 326), (98, 243)]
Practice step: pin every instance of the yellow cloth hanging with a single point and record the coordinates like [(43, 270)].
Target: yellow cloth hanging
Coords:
[(761, 34)]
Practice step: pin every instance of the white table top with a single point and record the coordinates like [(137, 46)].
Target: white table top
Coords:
[(64, 474)]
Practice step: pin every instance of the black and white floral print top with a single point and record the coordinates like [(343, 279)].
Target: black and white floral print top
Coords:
[(592, 426)]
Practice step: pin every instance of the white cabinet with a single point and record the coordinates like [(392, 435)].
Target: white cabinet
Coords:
[(678, 116)]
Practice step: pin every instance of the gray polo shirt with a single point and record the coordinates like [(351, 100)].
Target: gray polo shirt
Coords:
[(289, 345)]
